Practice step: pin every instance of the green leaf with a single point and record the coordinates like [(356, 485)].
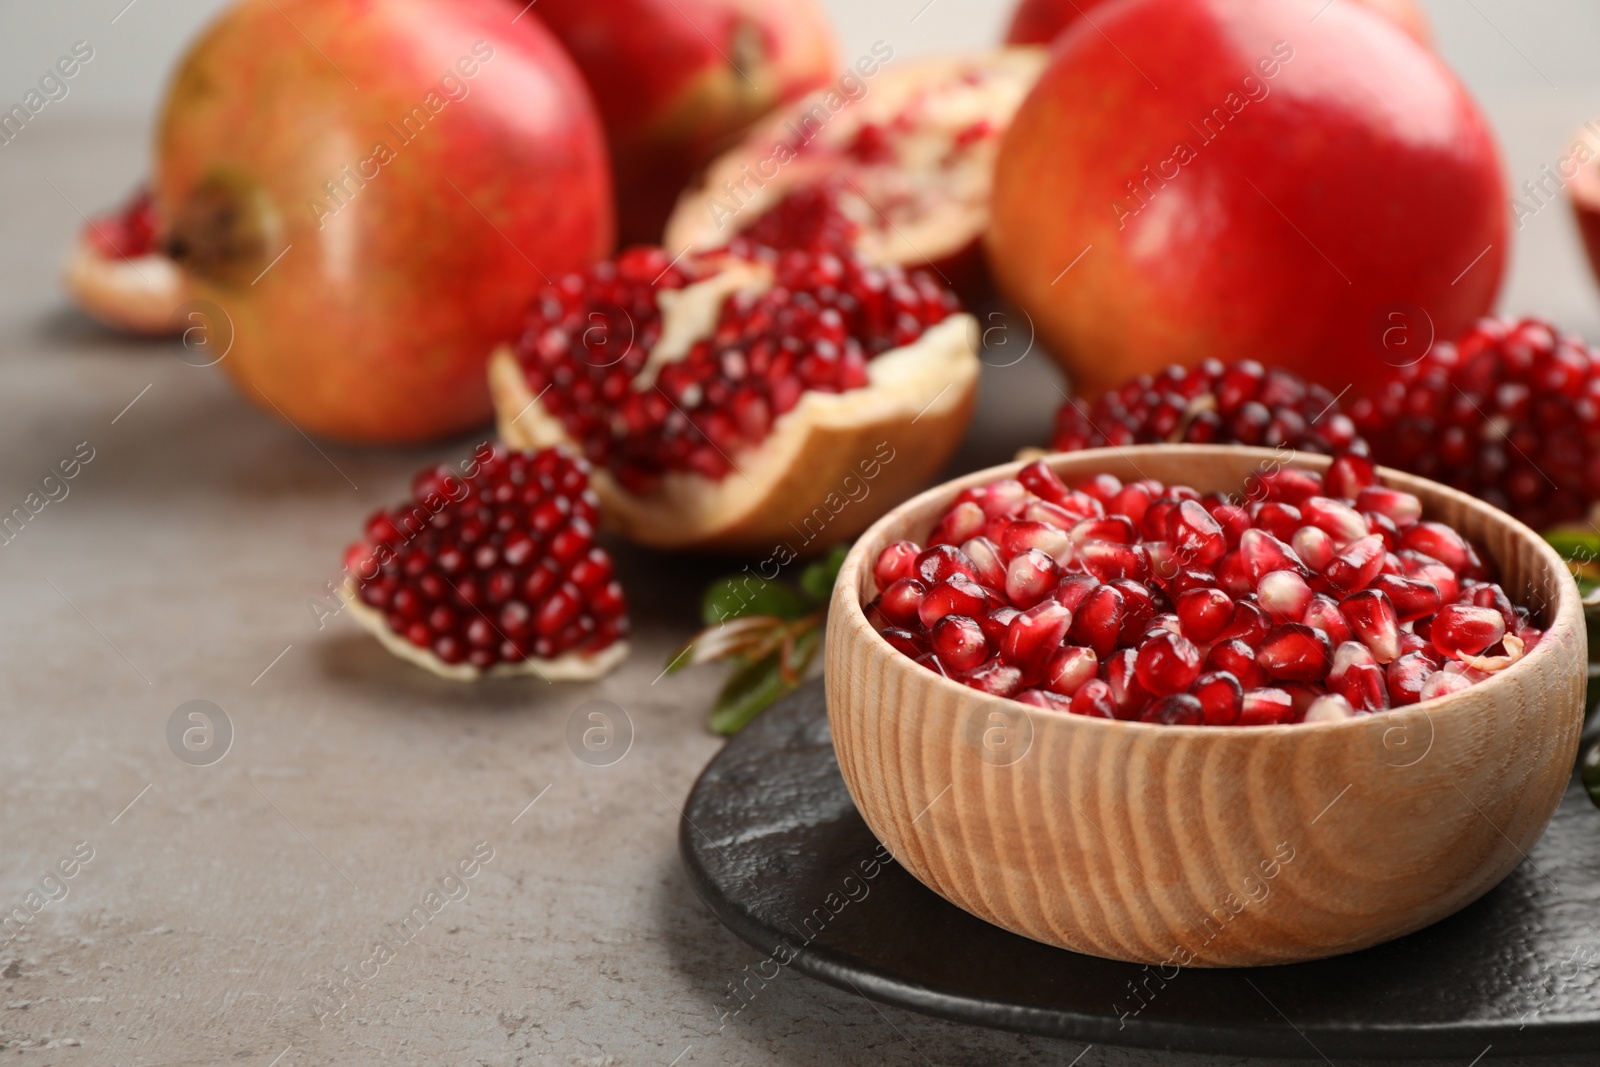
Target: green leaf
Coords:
[(748, 692), (818, 578), (1581, 546), (745, 594)]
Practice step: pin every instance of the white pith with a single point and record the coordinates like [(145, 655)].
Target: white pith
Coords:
[(569, 667)]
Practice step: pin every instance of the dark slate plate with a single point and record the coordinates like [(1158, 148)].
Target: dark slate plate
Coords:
[(775, 847)]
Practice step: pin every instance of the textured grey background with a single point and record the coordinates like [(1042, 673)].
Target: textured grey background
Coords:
[(179, 568)]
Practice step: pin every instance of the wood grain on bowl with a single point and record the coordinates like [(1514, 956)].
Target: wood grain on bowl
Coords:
[(1208, 846)]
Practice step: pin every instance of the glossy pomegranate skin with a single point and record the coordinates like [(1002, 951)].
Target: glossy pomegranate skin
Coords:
[(1362, 180), (1042, 21), (678, 80), (377, 322)]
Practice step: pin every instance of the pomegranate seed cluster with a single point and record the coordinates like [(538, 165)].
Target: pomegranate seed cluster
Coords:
[(1509, 413), (808, 218), (825, 316), (1238, 403), (130, 233), (496, 567), (1318, 598)]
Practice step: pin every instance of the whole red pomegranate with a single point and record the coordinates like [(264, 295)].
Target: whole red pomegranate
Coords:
[(1227, 181), (678, 80), (1041, 21), (370, 191)]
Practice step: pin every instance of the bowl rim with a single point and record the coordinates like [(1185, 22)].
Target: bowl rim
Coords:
[(1568, 611)]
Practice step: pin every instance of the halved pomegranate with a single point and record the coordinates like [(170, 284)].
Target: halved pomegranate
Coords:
[(492, 570), (743, 402), (118, 274), (900, 173)]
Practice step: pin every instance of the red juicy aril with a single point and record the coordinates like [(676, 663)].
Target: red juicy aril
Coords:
[(118, 274), (743, 401), (1239, 403), (493, 569), (895, 161), (1153, 602), (1509, 413)]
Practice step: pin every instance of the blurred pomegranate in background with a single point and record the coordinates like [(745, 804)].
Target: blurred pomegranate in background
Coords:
[(1324, 198), (678, 80), (1041, 21), (371, 192)]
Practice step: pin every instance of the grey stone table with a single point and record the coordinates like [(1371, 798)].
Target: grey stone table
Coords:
[(228, 913)]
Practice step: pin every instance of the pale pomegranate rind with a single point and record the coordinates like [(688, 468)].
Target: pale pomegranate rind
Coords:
[(569, 667), (136, 296)]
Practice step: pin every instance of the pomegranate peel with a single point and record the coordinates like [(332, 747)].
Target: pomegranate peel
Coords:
[(117, 273)]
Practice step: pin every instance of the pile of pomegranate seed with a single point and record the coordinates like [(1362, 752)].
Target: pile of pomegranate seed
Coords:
[(494, 565), (1317, 599), (130, 232), (589, 335), (1509, 413), (808, 218), (1240, 403)]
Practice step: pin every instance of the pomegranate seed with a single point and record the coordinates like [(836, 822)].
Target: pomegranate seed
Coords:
[(1294, 652), (1330, 707), (987, 569), (956, 595), (1196, 537), (1003, 499), (1314, 547), (1462, 629), (1337, 519), (1030, 578), (1019, 537), (1094, 700), (1284, 595), (1168, 663), (1438, 541), (1113, 528), (1249, 624), (1402, 508), (1129, 695), (1040, 698), (1356, 566), (964, 521), (1348, 475), (1412, 598), (1372, 618), (1139, 607), (1098, 620), (1492, 596), (1263, 553), (1291, 485), (899, 602), (1069, 669), (959, 642), (1204, 613), (905, 642), (1043, 482), (1323, 613), (1279, 520), (1191, 578), (1406, 677), (896, 562), (1033, 637), (1221, 697), (941, 561), (1074, 589), (994, 678), (1107, 560), (1443, 683), (996, 623), (930, 661), (1364, 685), (1265, 707), (1238, 659), (1177, 709)]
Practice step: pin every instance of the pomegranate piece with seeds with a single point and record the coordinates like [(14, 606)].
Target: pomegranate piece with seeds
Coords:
[(1507, 413), (1061, 597), (1240, 403), (493, 569), (118, 273), (725, 399), (900, 175)]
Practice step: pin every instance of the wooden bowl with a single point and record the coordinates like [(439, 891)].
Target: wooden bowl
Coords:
[(1208, 846)]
